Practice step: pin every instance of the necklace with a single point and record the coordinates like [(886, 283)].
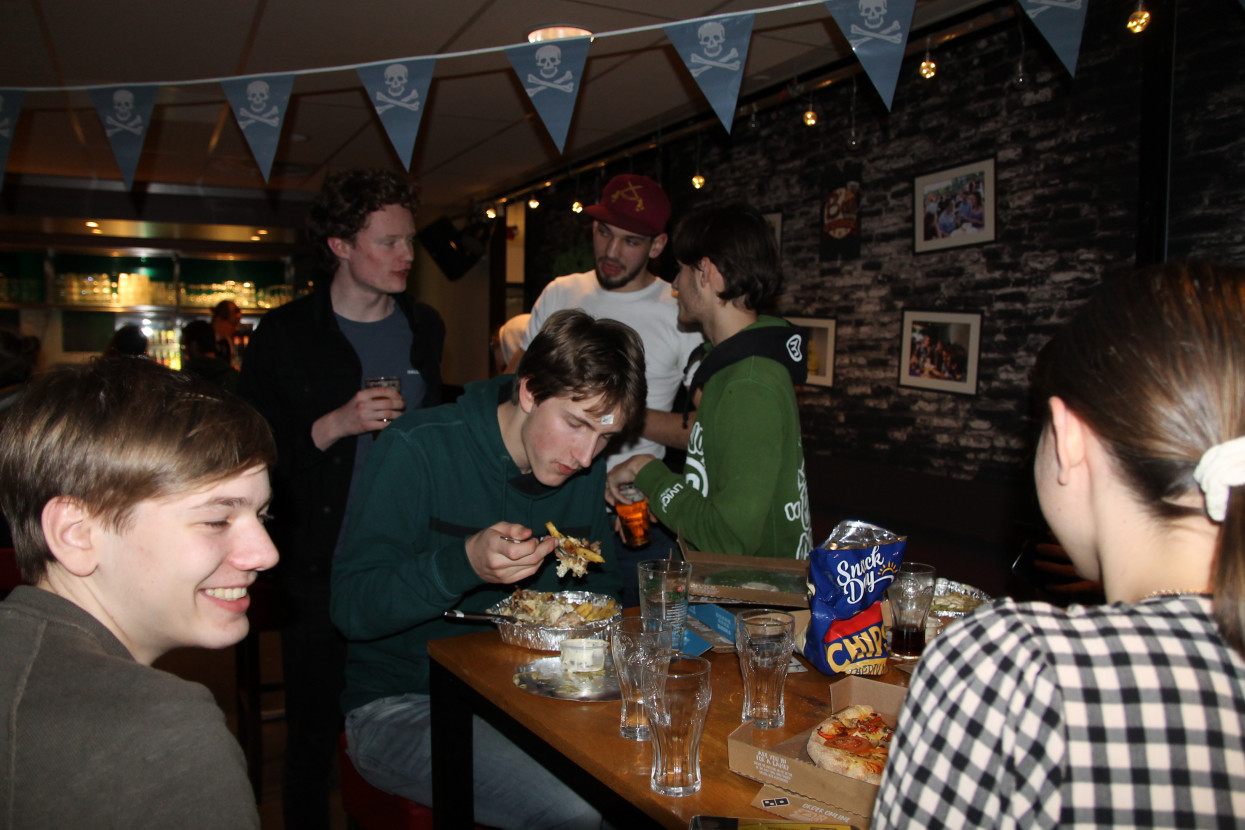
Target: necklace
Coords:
[(1174, 592)]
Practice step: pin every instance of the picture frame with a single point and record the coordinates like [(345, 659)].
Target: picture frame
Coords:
[(954, 207), (820, 347), (940, 350)]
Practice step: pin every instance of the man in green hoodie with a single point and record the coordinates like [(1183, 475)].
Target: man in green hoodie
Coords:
[(448, 513), (743, 489)]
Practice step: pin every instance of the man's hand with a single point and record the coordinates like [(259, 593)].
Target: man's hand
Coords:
[(368, 411), (624, 473), (506, 552)]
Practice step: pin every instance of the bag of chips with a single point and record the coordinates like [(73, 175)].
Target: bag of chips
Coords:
[(849, 573)]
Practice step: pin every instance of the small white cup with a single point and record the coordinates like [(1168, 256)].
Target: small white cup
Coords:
[(583, 655)]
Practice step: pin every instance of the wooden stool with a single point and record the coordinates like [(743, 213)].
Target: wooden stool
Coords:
[(264, 615)]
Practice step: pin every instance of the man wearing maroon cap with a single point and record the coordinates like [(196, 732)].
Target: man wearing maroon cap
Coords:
[(629, 229)]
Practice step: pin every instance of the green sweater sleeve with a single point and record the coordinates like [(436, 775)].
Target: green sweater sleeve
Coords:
[(391, 574), (744, 434)]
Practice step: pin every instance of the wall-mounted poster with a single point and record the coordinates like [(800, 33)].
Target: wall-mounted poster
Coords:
[(840, 213), (775, 224), (940, 351), (954, 207), (820, 349)]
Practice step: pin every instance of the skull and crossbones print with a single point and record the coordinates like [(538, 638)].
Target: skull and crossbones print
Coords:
[(123, 116), (396, 79), (548, 61), (873, 13), (257, 93), (712, 37)]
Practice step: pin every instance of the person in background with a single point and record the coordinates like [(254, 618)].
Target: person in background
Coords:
[(199, 356), (507, 340), (743, 489), (127, 341), (451, 515), (226, 320), (628, 230), (1126, 714), (137, 497), (304, 372), (18, 354)]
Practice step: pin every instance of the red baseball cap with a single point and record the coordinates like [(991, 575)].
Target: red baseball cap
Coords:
[(634, 203)]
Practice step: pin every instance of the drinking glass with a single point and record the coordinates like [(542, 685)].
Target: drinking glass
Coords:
[(764, 641), (911, 593), (664, 588), (676, 698), (393, 383), (635, 641)]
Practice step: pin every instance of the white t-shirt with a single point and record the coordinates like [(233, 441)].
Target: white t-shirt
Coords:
[(653, 312)]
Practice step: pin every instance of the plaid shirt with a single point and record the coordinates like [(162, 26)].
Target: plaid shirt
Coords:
[(1029, 716)]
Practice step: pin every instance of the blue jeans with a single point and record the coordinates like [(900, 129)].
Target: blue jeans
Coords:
[(390, 743)]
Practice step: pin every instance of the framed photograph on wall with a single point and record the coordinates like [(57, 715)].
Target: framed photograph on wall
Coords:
[(820, 349), (940, 351), (954, 207)]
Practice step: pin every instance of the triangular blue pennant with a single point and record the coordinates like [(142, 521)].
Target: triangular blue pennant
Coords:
[(878, 32), (551, 74), (10, 109), (125, 112), (259, 104), (715, 52), (1061, 23), (399, 91)]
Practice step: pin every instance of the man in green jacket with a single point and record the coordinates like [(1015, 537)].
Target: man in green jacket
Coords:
[(743, 489), (448, 513)]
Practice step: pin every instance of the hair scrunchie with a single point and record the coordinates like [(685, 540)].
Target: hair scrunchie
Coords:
[(1222, 467)]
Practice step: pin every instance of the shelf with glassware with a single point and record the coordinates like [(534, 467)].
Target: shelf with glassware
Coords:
[(158, 293)]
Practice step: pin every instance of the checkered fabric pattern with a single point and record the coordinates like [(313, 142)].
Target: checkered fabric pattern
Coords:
[(1030, 716)]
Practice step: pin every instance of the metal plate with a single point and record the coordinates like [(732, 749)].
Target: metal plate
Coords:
[(545, 678)]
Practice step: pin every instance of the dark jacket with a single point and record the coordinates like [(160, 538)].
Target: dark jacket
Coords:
[(298, 367)]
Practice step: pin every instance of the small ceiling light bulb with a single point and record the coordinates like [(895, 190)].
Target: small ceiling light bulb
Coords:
[(577, 206), (491, 213), (533, 203), (698, 181), (810, 117), (928, 68), (1139, 19)]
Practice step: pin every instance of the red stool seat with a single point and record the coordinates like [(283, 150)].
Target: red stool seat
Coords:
[(373, 809)]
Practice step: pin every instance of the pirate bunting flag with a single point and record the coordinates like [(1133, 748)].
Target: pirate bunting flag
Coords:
[(259, 104), (10, 108), (1061, 23), (551, 74), (715, 52), (398, 91), (878, 32), (125, 112)]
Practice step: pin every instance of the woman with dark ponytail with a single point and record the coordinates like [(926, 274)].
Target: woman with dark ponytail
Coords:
[(1129, 714)]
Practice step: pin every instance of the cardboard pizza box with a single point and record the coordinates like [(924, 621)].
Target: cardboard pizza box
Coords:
[(752, 580), (783, 762), (796, 807)]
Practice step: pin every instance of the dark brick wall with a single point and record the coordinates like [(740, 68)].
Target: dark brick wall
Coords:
[(1067, 191)]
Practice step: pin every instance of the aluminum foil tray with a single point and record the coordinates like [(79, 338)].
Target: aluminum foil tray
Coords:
[(946, 587), (548, 638)]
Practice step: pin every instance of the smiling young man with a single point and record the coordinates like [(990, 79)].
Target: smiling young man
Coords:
[(433, 527), (136, 497), (304, 372)]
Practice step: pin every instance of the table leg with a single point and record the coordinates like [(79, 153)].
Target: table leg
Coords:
[(452, 778)]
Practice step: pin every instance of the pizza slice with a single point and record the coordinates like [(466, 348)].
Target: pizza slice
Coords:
[(853, 742), (574, 554)]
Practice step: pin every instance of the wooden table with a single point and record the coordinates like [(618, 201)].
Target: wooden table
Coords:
[(579, 741)]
